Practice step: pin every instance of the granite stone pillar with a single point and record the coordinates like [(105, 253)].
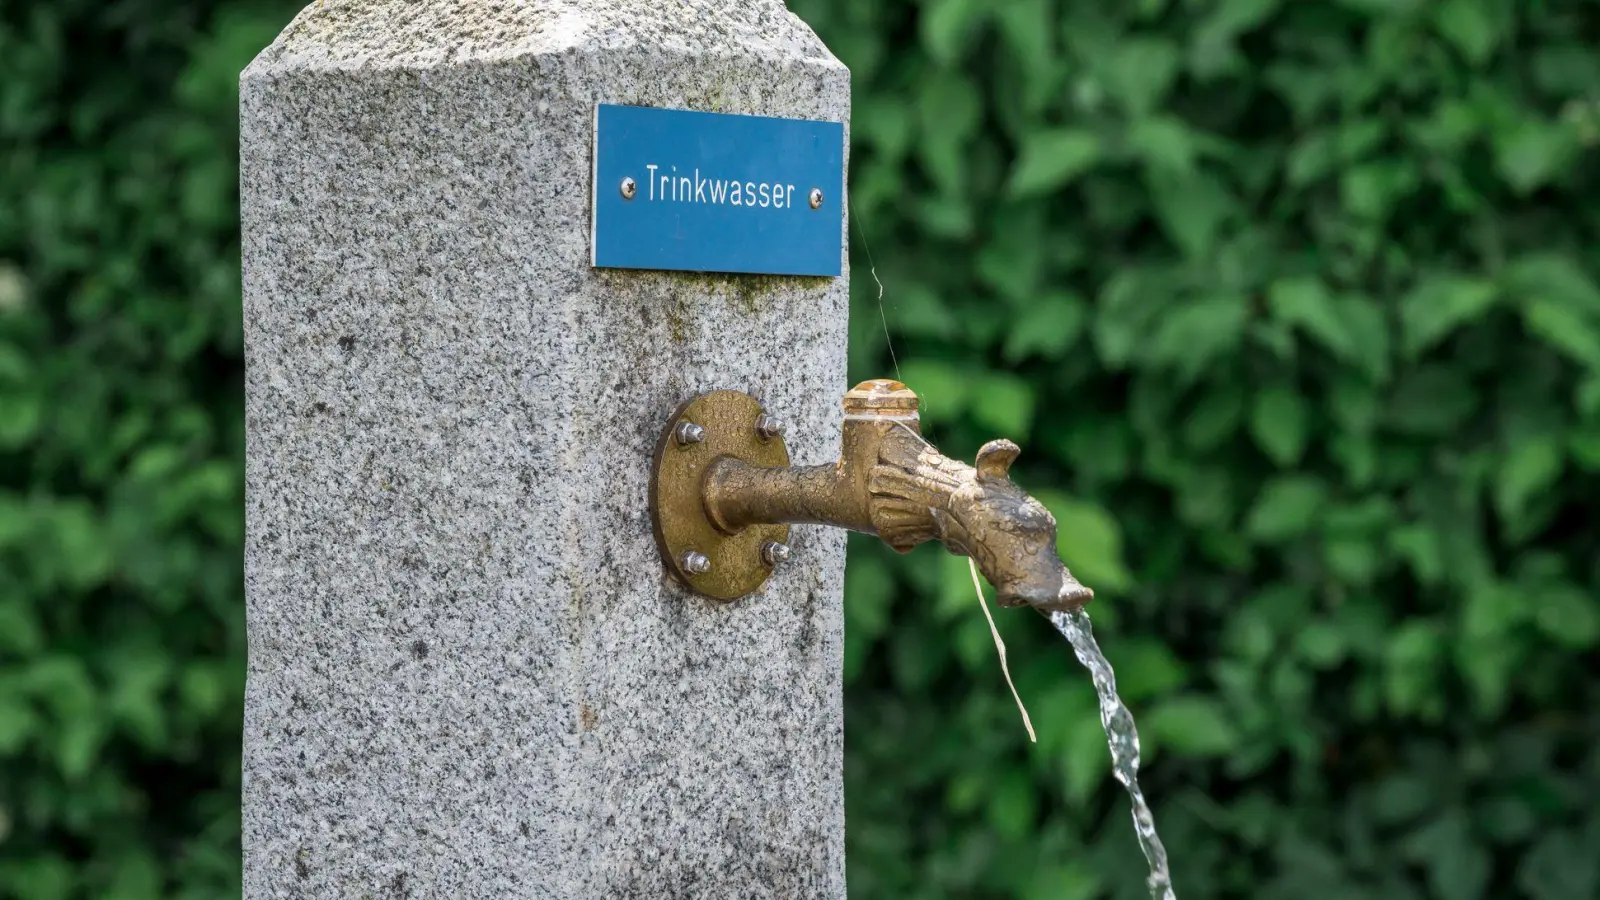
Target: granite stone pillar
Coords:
[(469, 674)]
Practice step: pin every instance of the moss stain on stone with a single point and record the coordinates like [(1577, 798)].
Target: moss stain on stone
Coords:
[(748, 294), (678, 317)]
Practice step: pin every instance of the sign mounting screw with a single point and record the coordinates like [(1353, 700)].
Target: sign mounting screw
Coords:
[(816, 198), (629, 188), (696, 563)]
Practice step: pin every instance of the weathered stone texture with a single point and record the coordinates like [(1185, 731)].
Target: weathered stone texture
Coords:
[(469, 675)]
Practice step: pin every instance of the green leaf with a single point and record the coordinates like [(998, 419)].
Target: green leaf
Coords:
[(955, 595), (1145, 668), (79, 536), (1565, 329), (949, 27), (1306, 304), (1368, 330), (1129, 306), (1088, 540), (1026, 26), (1048, 327), (1139, 71), (1380, 8), (885, 125), (1012, 806), (1064, 880), (919, 311), (1371, 190), (18, 723), (1193, 725), (1013, 260), (21, 415), (1051, 159), (1588, 396), (1351, 559), (941, 216), (1419, 547), (78, 742), (1321, 643), (950, 110), (137, 877), (1191, 336), (868, 596), (205, 688), (1004, 404), (1086, 760), (966, 791), (1569, 615), (1285, 508), (1354, 404), (20, 631), (1192, 207), (1531, 467), (1584, 446), (1213, 419), (1438, 306), (1165, 144), (15, 366), (1280, 422), (1552, 278), (1213, 49), (942, 389), (1403, 797), (44, 876), (1533, 153), (1561, 865), (1313, 157), (1468, 25), (1458, 866), (1431, 400), (1412, 657)]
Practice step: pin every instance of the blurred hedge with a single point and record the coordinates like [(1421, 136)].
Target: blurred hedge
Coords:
[(1295, 303), (121, 448), (1293, 307)]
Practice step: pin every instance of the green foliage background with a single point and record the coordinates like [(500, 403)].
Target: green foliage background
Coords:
[(1292, 305)]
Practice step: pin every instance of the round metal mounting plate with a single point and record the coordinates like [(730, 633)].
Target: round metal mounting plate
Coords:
[(676, 507)]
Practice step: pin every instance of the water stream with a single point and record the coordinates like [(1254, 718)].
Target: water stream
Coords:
[(1124, 742)]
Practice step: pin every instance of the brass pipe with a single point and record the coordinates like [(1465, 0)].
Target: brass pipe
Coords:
[(738, 495), (889, 481)]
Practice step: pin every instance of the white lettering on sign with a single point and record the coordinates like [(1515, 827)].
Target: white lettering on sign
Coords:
[(674, 187)]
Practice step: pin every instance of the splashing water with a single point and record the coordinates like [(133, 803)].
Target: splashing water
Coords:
[(1124, 742)]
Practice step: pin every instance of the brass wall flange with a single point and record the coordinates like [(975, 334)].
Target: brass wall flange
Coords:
[(717, 425)]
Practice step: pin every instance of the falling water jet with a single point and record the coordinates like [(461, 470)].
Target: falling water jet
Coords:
[(1123, 739)]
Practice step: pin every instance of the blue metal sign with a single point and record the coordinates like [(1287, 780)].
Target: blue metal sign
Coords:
[(712, 192)]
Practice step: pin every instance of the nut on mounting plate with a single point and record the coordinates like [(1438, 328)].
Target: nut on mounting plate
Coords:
[(710, 561)]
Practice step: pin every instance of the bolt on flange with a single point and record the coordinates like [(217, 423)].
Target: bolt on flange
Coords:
[(774, 553), (769, 427)]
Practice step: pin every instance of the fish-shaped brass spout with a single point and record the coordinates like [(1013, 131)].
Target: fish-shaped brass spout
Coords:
[(724, 495)]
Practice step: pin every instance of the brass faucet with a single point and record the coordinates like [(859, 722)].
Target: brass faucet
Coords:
[(724, 494)]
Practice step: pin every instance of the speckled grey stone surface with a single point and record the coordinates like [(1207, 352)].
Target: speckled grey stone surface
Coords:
[(469, 675)]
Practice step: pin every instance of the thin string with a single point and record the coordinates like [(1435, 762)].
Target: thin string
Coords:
[(1000, 646), (972, 565), (872, 267), (883, 316)]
